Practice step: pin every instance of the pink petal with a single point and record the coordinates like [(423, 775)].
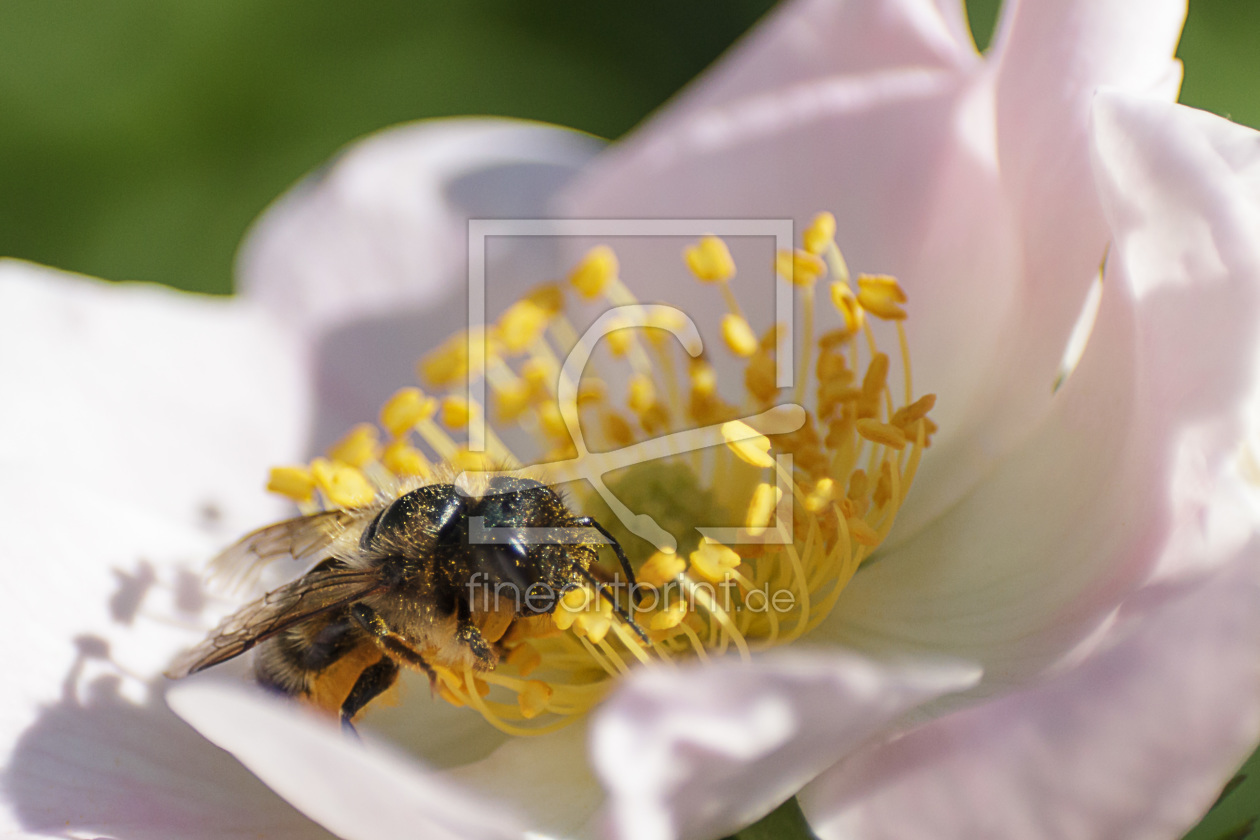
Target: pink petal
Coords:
[(368, 258), (1033, 560), (176, 402), (1135, 743), (1046, 63), (354, 789), (702, 751)]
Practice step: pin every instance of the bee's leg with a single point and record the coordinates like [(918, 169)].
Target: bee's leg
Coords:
[(470, 634), (374, 680), (390, 642)]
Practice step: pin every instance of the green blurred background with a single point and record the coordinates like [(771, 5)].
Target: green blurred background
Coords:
[(139, 138)]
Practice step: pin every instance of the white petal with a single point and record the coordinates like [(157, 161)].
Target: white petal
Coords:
[(102, 594), (702, 751), (355, 789), (176, 402), (369, 255), (1034, 559), (1136, 743)]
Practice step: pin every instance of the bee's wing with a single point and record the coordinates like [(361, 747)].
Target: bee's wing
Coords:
[(301, 538), (316, 592)]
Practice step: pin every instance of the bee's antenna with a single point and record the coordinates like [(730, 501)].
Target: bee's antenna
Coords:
[(587, 522)]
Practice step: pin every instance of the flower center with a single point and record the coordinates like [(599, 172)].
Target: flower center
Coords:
[(744, 514)]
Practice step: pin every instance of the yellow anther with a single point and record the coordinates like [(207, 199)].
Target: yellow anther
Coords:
[(521, 325), (746, 442), (820, 496), (456, 412), (862, 533), (876, 377), (661, 568), (358, 447), (617, 430), (666, 323), (821, 232), (534, 698), (620, 341), (703, 377), (525, 658), (883, 433), (465, 459), (848, 307), (594, 626), (406, 408), (883, 487), (833, 367), (296, 483), (590, 392), (713, 561), (548, 297), (800, 268), (881, 296), (738, 335), (917, 410), (596, 270), (858, 484), (760, 377), (553, 421), (511, 401), (668, 618), (655, 419), (761, 509), (402, 459), (344, 486), (710, 260), (536, 375), (642, 393), (571, 604), (450, 363)]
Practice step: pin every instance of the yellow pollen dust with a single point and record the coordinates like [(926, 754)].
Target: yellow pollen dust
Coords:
[(790, 511)]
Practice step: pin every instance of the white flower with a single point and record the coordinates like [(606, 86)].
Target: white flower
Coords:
[(1089, 547)]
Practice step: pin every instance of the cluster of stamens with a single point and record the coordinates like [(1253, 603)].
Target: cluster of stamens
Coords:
[(795, 507)]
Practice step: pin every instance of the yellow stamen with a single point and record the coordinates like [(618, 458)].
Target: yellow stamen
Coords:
[(848, 307), (800, 268), (710, 260), (534, 698), (881, 296), (406, 408), (882, 433), (456, 412), (738, 335), (358, 447), (761, 509), (844, 471), (402, 459), (820, 234), (296, 483), (596, 270), (751, 446), (713, 561), (343, 485)]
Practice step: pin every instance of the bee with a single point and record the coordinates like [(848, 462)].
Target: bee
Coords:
[(437, 575)]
